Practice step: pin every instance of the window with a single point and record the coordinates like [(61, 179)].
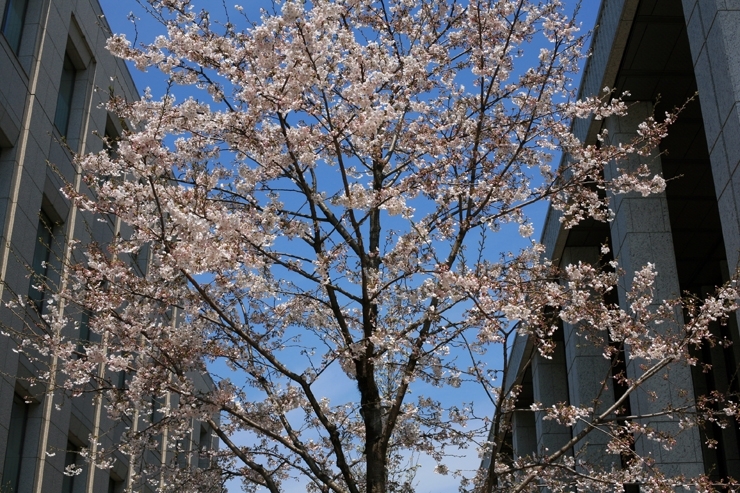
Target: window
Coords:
[(15, 445), (121, 380), (40, 265), (156, 413), (140, 259), (183, 452), (115, 486), (70, 459), (204, 445), (75, 85), (85, 337), (111, 139), (13, 20), (64, 98)]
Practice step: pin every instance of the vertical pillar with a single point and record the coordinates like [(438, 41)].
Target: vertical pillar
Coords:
[(714, 39), (641, 233), (550, 387), (523, 427), (523, 434), (589, 373)]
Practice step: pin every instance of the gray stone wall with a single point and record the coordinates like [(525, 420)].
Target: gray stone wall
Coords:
[(29, 142), (641, 231), (714, 38)]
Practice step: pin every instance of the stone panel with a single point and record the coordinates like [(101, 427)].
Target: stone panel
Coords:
[(642, 234), (550, 387)]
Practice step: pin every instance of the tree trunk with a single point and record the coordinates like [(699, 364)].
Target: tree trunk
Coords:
[(376, 458)]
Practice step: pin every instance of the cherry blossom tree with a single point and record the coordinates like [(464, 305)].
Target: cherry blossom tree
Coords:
[(326, 209)]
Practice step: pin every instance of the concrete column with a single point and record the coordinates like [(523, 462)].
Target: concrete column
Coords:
[(589, 373), (714, 37), (523, 434), (550, 387), (641, 233), (523, 426)]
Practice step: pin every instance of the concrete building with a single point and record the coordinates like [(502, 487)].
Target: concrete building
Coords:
[(662, 52), (54, 74)]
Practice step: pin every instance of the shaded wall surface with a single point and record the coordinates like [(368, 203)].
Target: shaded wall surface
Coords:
[(667, 54)]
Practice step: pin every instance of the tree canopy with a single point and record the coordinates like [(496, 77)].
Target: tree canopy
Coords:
[(325, 209)]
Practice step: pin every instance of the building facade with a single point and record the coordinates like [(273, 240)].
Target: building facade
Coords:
[(662, 52), (55, 73)]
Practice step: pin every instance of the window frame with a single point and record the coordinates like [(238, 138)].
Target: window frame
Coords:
[(73, 453), (18, 402), (18, 23), (41, 257), (65, 95)]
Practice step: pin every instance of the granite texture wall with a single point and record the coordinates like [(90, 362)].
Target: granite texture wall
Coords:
[(54, 75), (662, 51)]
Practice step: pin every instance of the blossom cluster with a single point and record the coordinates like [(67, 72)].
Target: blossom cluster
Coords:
[(328, 209)]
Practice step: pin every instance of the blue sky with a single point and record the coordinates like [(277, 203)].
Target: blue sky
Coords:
[(117, 14)]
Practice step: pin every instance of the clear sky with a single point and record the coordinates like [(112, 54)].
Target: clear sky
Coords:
[(118, 12)]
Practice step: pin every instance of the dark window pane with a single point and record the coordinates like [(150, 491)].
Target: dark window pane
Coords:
[(70, 458), (121, 383), (40, 264), (14, 450), (204, 444), (113, 486), (85, 335), (13, 20), (64, 98), (111, 138)]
